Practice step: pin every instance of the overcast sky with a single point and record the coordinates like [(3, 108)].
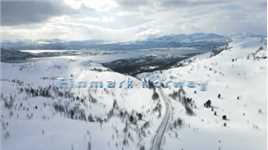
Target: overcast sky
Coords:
[(124, 20)]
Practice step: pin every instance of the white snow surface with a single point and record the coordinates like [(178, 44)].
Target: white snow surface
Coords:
[(237, 74), (240, 78)]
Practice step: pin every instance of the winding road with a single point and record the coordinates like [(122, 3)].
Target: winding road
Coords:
[(158, 138)]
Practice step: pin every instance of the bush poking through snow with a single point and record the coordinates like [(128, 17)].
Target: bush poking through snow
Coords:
[(178, 123), (207, 104), (155, 95), (158, 108), (224, 117), (219, 96)]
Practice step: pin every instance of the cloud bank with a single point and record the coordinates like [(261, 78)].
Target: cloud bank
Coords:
[(124, 20)]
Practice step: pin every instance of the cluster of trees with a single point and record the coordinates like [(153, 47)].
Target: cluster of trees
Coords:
[(187, 102)]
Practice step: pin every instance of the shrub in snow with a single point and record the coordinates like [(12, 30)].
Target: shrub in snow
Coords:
[(155, 95), (178, 123), (219, 95), (224, 117), (188, 105), (207, 104)]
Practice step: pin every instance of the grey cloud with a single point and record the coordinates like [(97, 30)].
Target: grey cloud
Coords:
[(168, 3), (190, 3), (135, 19), (27, 12), (133, 3)]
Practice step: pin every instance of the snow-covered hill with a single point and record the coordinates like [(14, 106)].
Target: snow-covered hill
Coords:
[(38, 114), (230, 111), (221, 105)]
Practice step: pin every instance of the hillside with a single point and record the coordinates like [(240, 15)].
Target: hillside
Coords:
[(219, 103)]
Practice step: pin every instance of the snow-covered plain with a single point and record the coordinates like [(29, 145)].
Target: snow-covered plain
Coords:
[(38, 115)]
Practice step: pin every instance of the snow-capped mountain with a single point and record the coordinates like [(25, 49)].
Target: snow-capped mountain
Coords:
[(197, 40)]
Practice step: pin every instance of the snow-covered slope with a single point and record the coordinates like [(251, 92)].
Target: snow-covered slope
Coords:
[(38, 114), (221, 105), (229, 109)]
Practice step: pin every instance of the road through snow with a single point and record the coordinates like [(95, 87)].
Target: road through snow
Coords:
[(158, 138)]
